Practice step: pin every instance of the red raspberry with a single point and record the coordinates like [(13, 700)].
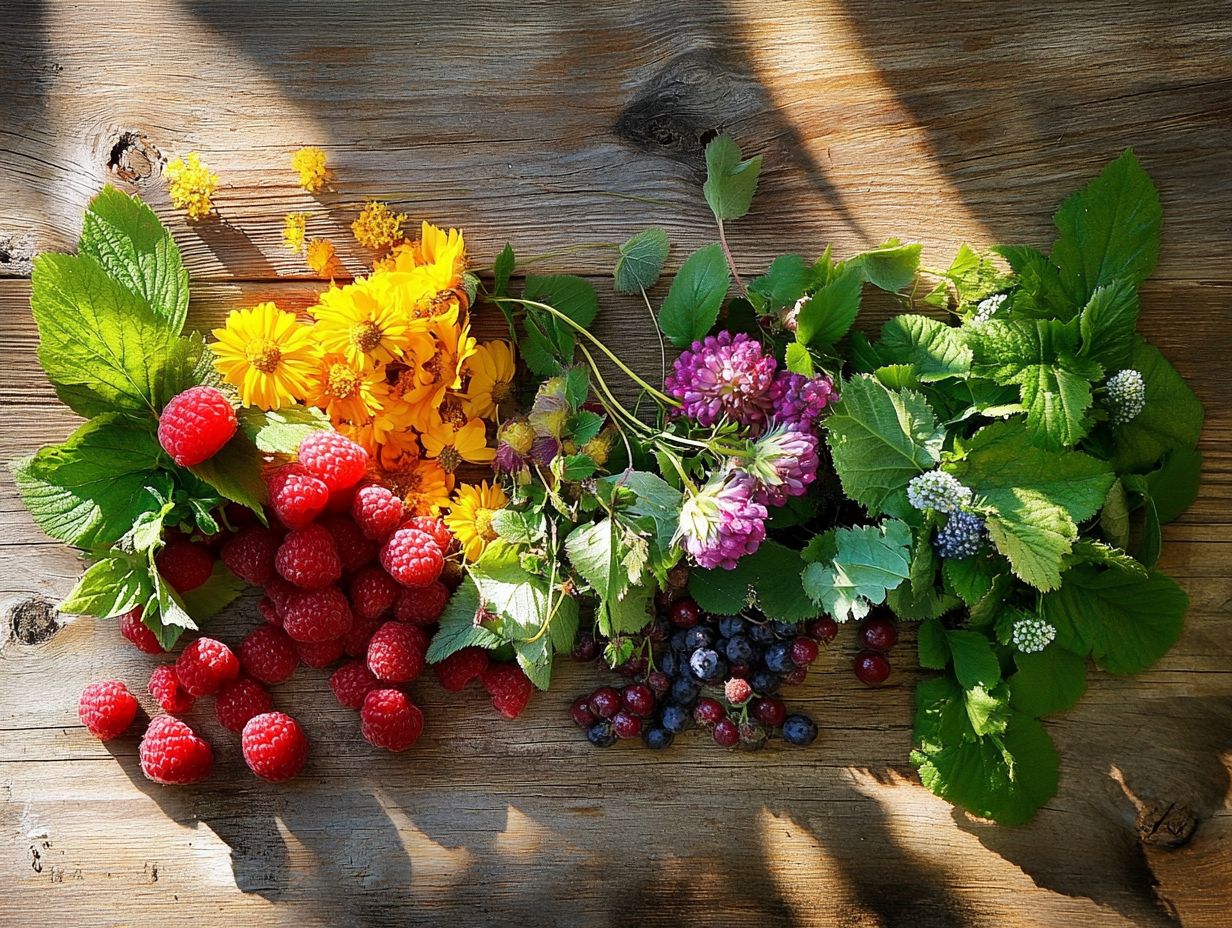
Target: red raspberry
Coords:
[(412, 557), (434, 527), (206, 666), (239, 701), (509, 688), (274, 746), (355, 642), (268, 655), (354, 550), (171, 752), (377, 511), (422, 605), (461, 667), (351, 683), (106, 709), (308, 558), (318, 654), (390, 720), (168, 691), (185, 565), (737, 691), (195, 425), (373, 593), (280, 593), (296, 496), (317, 615), (396, 652), (250, 554), (269, 610), (340, 501), (136, 631), (334, 458)]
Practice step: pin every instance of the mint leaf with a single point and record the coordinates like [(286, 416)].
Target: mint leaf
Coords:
[(768, 579), (124, 235), (1109, 230), (458, 628), (1171, 419), (640, 261), (869, 561), (880, 439), (828, 314), (891, 266), (1047, 681), (1108, 323), (932, 350), (695, 296), (730, 182), (280, 431), (1123, 621), (90, 490), (110, 587)]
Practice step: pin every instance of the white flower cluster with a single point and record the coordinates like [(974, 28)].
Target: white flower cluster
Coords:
[(988, 308), (937, 490), (1031, 635), (1126, 395)]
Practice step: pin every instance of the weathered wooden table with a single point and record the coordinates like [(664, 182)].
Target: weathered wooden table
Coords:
[(555, 125)]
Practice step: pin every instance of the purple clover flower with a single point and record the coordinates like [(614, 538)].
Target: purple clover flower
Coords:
[(723, 375), (797, 401), (722, 522), (783, 463)]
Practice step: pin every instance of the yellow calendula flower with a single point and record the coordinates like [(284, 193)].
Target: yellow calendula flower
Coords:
[(470, 516), (266, 353), (423, 485), (309, 162), (451, 444), (191, 184), (352, 321), (294, 226), (377, 226), (491, 369), (344, 390), (320, 255)]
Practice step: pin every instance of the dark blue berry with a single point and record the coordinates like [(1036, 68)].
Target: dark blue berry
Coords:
[(961, 536), (697, 638), (739, 650), (601, 735), (707, 664), (684, 691), (761, 633), (765, 682), (675, 718), (657, 738), (731, 625), (785, 631), (799, 730), (778, 658), (677, 640), (667, 662)]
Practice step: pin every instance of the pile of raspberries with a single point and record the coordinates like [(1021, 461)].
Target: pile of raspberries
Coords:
[(348, 577)]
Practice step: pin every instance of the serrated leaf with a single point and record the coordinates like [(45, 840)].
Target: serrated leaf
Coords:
[(1172, 417), (799, 361), (235, 472), (1048, 681), (730, 182), (110, 587), (969, 578), (573, 297), (280, 431), (1114, 516), (1108, 323), (640, 261), (934, 351), (782, 284), (827, 315), (869, 561), (769, 580), (535, 659), (564, 626), (693, 301), (458, 628), (519, 528), (891, 266)]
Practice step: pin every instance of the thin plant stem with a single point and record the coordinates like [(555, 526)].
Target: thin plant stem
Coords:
[(731, 261)]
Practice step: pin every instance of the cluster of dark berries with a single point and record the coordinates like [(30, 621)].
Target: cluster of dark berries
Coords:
[(720, 674), (877, 635)]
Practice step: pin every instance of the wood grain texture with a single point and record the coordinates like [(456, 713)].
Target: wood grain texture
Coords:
[(554, 125)]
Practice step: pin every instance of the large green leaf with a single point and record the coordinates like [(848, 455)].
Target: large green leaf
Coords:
[(730, 182), (1172, 417), (1108, 323), (110, 587), (827, 315), (934, 351), (1047, 681), (891, 266), (693, 301), (768, 579), (458, 628), (868, 561)]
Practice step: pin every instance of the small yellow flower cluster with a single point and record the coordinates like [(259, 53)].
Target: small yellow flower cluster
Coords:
[(309, 162), (377, 226), (294, 228), (191, 184), (320, 255)]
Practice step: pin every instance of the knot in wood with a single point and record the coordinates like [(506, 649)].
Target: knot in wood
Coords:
[(133, 157), (1166, 824), (16, 255), (33, 620)]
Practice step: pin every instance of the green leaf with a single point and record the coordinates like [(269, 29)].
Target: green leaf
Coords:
[(880, 439), (564, 627), (280, 431), (1114, 517), (165, 614), (90, 490), (1171, 419), (799, 361), (1047, 681), (519, 528), (970, 578), (1124, 622), (1174, 486), (535, 659), (1040, 294), (890, 267), (782, 284), (110, 587), (124, 235), (502, 270), (214, 595), (933, 350), (572, 296), (988, 710), (730, 182), (1109, 230), (695, 296), (640, 261), (458, 628), (595, 551), (869, 561), (768, 579), (828, 314), (933, 646), (235, 472), (101, 345), (975, 663), (627, 615), (1108, 323)]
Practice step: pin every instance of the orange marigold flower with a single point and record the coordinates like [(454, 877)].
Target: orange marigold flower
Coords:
[(310, 163), (320, 256), (294, 226), (423, 485), (377, 226), (191, 184), (344, 390)]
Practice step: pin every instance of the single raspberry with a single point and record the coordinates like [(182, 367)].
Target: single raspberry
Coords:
[(274, 746), (351, 683), (412, 557), (737, 691), (250, 554), (319, 654), (296, 496), (421, 605), (354, 550), (377, 510), (195, 425), (390, 720), (269, 610), (185, 565), (206, 666), (168, 691), (268, 655), (355, 642), (172, 753), (239, 701), (136, 631), (334, 458), (317, 615), (106, 709), (434, 527), (461, 667), (396, 652), (373, 593), (509, 688), (308, 558)]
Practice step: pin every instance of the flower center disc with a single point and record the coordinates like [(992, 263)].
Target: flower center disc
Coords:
[(263, 354), (366, 335), (342, 382)]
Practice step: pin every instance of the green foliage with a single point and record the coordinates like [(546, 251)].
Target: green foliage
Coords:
[(280, 431), (930, 349), (1052, 680), (1172, 417), (768, 579), (891, 266), (730, 182), (640, 261), (868, 561), (830, 311), (692, 304), (458, 626), (549, 343)]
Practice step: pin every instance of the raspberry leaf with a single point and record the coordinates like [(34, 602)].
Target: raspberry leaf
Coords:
[(640, 261), (692, 303), (891, 266), (214, 595), (869, 561), (730, 182), (783, 283), (1172, 417), (1052, 680), (930, 349), (110, 587), (829, 312), (1108, 323), (769, 579), (458, 628), (280, 431), (235, 472)]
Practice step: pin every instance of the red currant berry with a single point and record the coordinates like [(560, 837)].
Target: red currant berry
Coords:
[(738, 671), (823, 629), (585, 648), (803, 651), (796, 676), (878, 634), (605, 702), (626, 725), (633, 667), (726, 733), (872, 668), (638, 699), (685, 613), (659, 683), (769, 711), (581, 714), (708, 712)]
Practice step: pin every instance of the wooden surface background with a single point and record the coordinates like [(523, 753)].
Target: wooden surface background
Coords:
[(554, 125)]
